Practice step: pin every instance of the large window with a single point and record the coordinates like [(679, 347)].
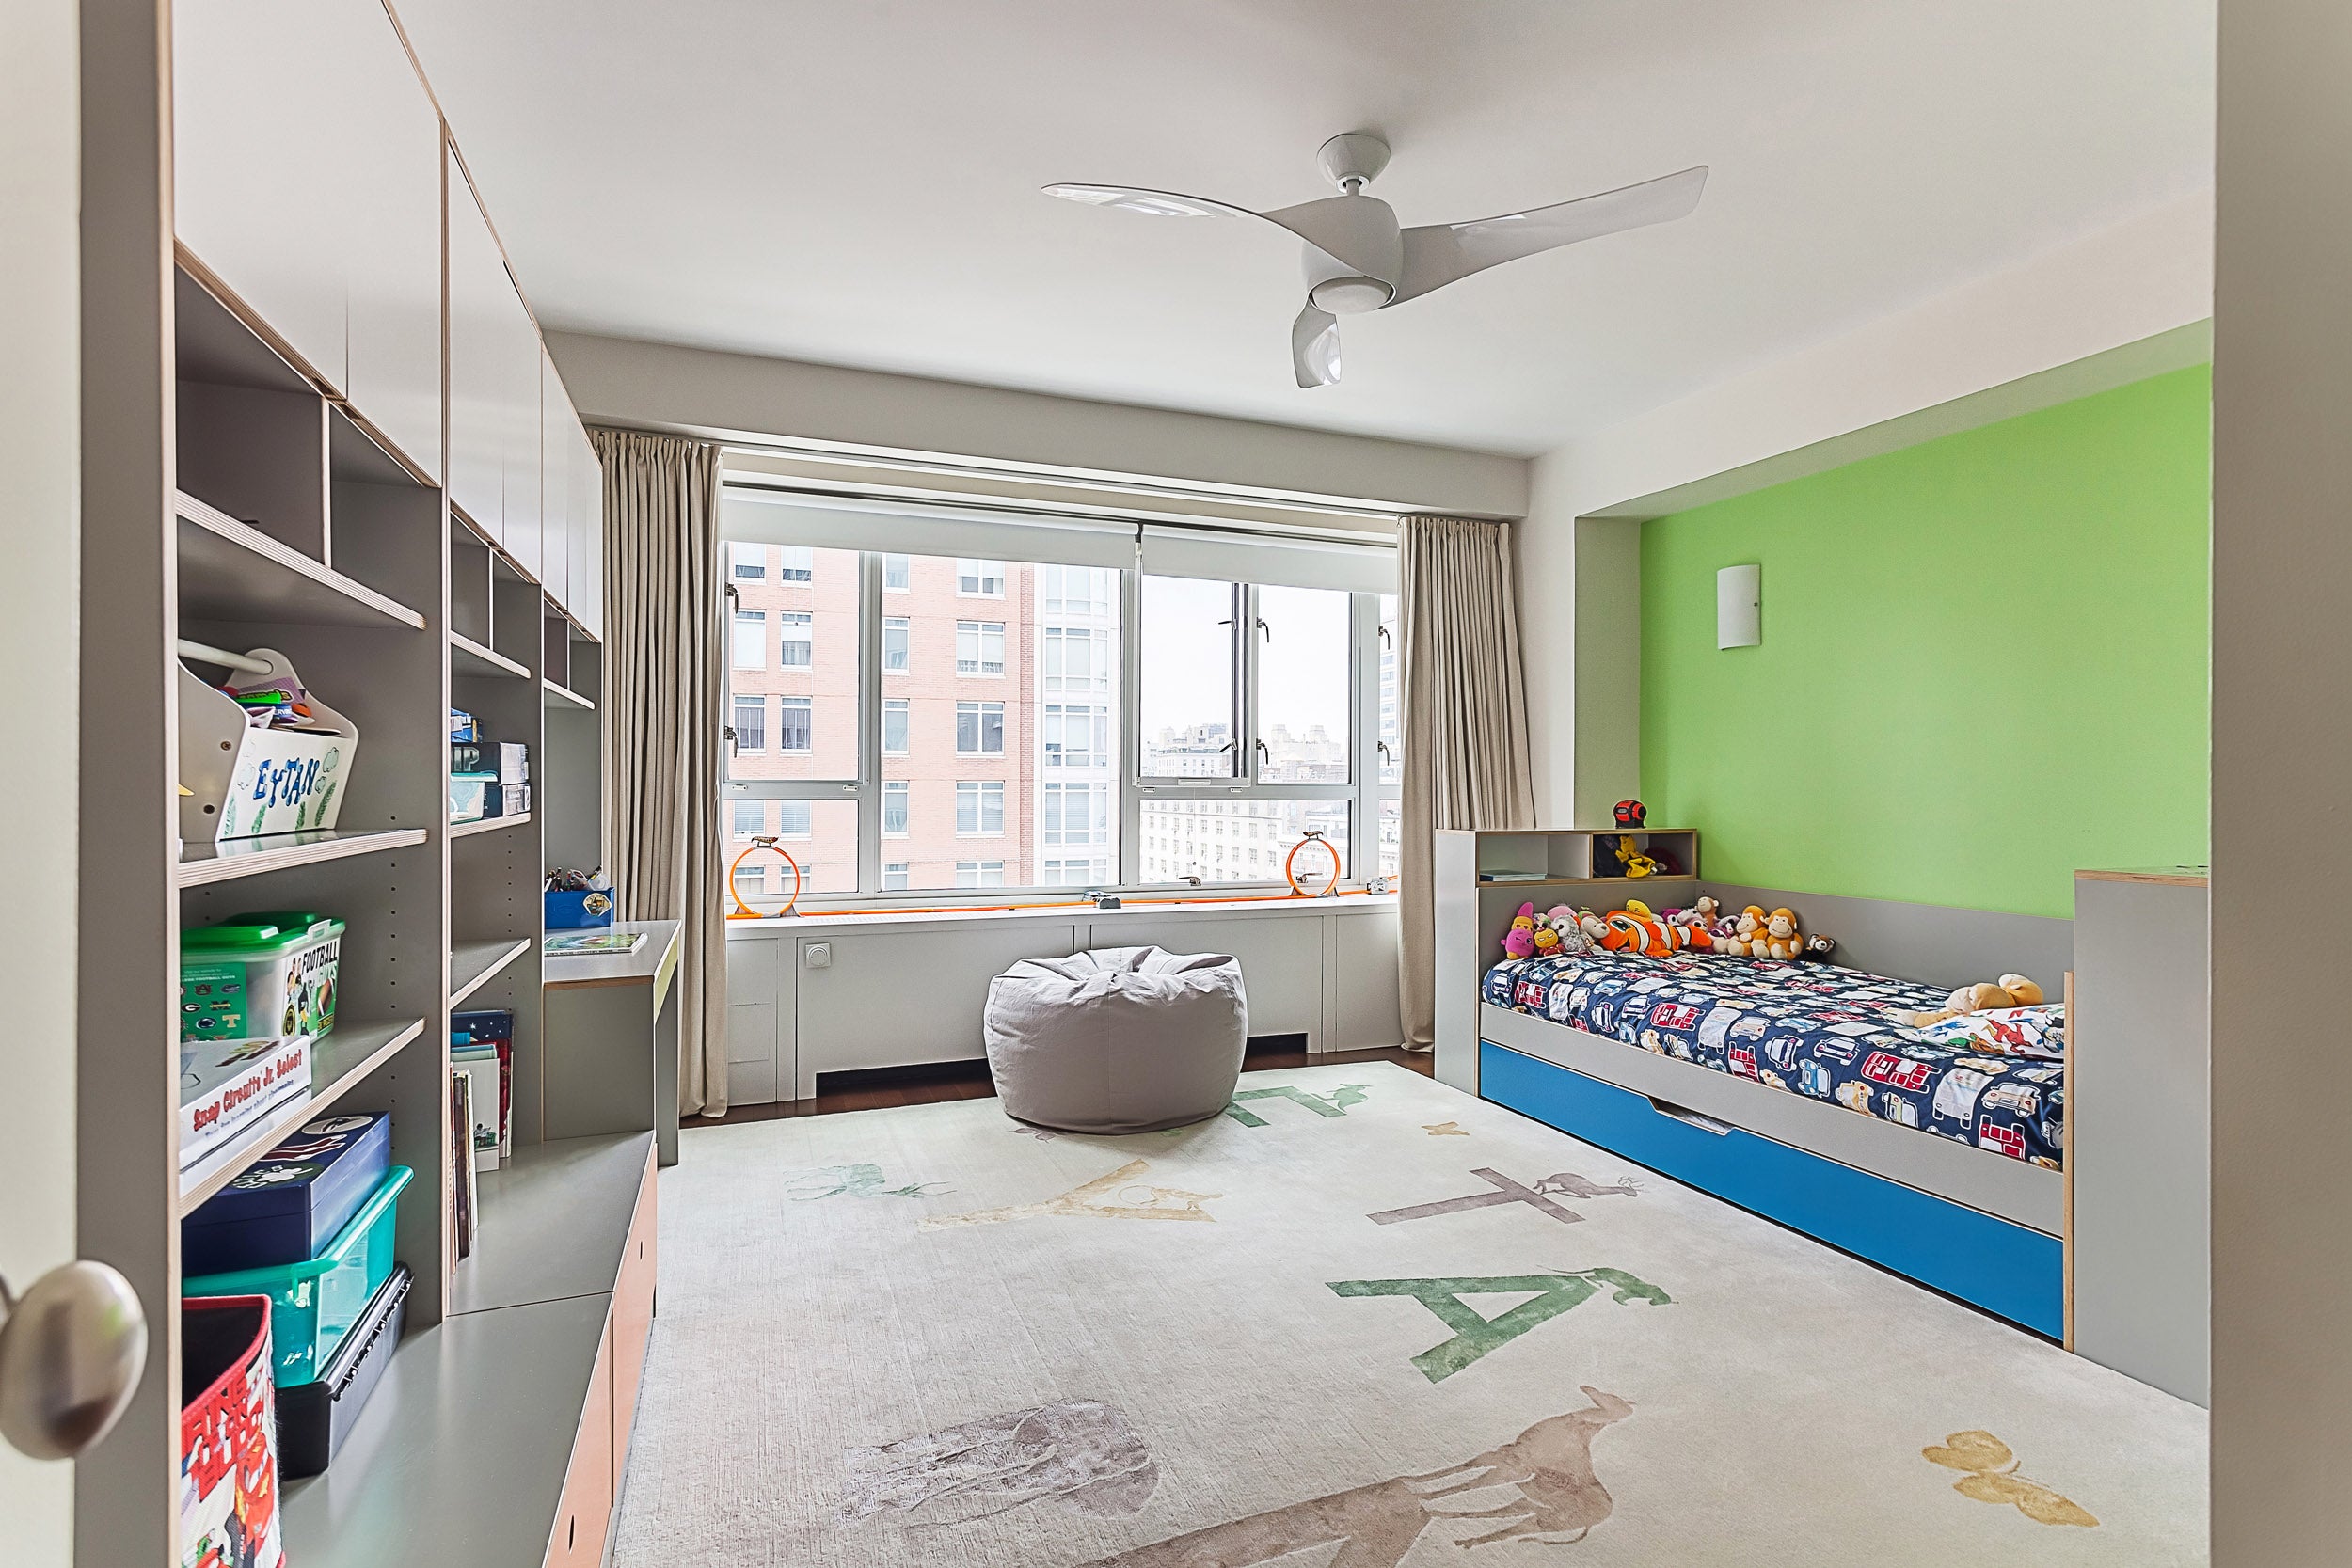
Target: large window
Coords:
[(929, 723), (979, 729), (979, 647)]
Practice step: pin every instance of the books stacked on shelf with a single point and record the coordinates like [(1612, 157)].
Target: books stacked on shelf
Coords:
[(227, 1085), (582, 944), (463, 1196), (482, 1042)]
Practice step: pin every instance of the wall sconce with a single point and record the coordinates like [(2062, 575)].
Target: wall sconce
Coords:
[(1739, 607)]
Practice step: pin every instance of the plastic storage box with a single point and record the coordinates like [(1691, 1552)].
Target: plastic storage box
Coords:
[(313, 1418), (314, 1303), (573, 912), (290, 1207), (469, 796), (228, 1503), (254, 976)]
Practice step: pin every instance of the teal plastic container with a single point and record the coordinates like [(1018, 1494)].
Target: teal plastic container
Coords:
[(314, 1304)]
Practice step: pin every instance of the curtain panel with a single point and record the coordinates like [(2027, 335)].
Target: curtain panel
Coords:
[(663, 687), (1464, 716)]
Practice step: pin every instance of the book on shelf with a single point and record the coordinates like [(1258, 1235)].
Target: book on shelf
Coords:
[(582, 944), (1512, 877), (226, 1086), (480, 1069), (461, 1182)]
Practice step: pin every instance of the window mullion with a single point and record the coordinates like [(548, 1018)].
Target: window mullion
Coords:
[(1245, 685), (867, 786)]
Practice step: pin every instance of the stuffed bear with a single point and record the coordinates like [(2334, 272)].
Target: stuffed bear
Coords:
[(1781, 938), (2010, 991), (1520, 941)]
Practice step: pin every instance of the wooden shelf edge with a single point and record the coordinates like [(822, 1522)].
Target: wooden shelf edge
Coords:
[(488, 824), (490, 956), (565, 695), (337, 1062), (325, 844), (252, 539), (499, 664)]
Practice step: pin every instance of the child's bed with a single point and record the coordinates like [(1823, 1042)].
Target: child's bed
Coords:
[(1744, 1079)]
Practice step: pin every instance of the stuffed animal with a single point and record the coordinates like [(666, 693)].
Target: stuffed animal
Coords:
[(2010, 991), (1636, 929), (1694, 923), (1547, 940), (1708, 910), (1748, 935), (1520, 941), (1629, 856), (1818, 948), (1781, 937), (1632, 814), (1568, 923)]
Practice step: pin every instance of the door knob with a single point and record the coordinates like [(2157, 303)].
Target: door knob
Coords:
[(72, 1352)]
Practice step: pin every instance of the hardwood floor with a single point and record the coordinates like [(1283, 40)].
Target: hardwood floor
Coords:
[(890, 1087)]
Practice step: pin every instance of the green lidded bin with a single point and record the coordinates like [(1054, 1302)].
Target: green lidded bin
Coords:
[(255, 975)]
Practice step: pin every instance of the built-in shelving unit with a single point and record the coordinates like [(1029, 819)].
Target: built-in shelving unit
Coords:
[(321, 421), (229, 859)]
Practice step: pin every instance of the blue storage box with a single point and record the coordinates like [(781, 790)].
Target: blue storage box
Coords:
[(288, 1207), (573, 912)]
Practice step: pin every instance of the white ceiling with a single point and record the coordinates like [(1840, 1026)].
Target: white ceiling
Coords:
[(855, 181)]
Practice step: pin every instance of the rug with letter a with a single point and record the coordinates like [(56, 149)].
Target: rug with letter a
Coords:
[(1358, 1320)]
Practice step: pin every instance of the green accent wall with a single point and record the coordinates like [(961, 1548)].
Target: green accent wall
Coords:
[(1984, 661)]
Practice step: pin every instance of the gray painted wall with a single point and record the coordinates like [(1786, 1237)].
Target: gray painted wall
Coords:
[(1933, 943)]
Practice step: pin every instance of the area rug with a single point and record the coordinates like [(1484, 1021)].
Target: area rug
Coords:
[(1358, 1320)]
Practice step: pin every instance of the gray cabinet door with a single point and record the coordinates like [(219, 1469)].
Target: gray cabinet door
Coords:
[(390, 236), (559, 472), (257, 130), (586, 601), (478, 384)]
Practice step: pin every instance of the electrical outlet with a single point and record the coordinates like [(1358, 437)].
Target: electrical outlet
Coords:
[(821, 955)]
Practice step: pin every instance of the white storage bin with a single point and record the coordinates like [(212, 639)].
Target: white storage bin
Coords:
[(244, 782)]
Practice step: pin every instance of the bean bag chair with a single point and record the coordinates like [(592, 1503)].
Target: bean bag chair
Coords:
[(1121, 1040)]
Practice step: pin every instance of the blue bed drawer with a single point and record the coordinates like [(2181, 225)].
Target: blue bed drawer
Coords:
[(2006, 1269)]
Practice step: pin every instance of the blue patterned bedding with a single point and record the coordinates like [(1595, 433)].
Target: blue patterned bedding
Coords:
[(1811, 1029)]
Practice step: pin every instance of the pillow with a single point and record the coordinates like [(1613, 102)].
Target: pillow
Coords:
[(2038, 1031)]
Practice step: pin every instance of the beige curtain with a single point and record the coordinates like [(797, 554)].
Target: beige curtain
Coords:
[(664, 683), (1465, 720)]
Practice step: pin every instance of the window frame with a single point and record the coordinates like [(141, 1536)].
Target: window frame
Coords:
[(1121, 771)]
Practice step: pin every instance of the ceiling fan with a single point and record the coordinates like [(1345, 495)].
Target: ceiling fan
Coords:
[(1357, 259)]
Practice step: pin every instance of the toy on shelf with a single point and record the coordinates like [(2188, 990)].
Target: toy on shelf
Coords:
[(1632, 860), (1519, 941), (1632, 814), (1985, 996)]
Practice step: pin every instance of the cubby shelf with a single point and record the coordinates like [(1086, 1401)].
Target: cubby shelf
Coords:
[(472, 963), (488, 825), (559, 696), (469, 657), (338, 1060), (229, 859), (233, 571)]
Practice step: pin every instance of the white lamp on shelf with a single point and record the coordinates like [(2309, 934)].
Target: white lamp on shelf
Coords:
[(1739, 607)]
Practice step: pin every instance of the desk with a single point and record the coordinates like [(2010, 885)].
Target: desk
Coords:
[(611, 1039)]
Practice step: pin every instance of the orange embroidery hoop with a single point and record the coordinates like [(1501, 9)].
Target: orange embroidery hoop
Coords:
[(1290, 869), (744, 911)]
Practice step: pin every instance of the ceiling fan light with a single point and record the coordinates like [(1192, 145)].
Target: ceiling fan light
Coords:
[(1349, 296)]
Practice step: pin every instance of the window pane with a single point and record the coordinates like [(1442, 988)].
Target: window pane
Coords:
[(979, 752), (1240, 841), (795, 656), (747, 562), (895, 726), (895, 810), (751, 725), (819, 835), (894, 579), (751, 638), (1187, 657), (796, 650), (979, 873), (893, 875), (1302, 686), (749, 818), (982, 579), (1391, 738), (1392, 859), (895, 637), (795, 723)]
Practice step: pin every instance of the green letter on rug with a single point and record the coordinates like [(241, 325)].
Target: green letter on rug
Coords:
[(1474, 1334), (1333, 1104)]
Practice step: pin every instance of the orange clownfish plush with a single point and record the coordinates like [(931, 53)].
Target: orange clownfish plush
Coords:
[(1635, 930)]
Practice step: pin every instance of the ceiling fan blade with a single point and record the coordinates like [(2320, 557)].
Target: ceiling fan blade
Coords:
[(1357, 232), (1158, 204), (1438, 254), (1315, 347)]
